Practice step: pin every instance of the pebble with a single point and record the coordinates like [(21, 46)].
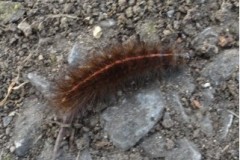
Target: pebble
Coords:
[(97, 32), (108, 23), (131, 2), (222, 66), (167, 121), (206, 42), (166, 32), (78, 54), (40, 57), (129, 12), (170, 13), (12, 149), (6, 120), (122, 2), (26, 28), (206, 85), (40, 83), (68, 7)]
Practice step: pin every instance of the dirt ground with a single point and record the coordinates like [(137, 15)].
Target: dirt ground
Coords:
[(200, 117)]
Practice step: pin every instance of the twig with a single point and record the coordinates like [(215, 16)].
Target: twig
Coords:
[(11, 87), (233, 113)]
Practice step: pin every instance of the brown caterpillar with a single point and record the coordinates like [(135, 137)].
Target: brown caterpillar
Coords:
[(103, 74)]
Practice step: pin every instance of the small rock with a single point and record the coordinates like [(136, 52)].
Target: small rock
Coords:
[(78, 54), (167, 121), (166, 32), (25, 27), (186, 151), (64, 22), (40, 57), (129, 12), (40, 83), (6, 120), (206, 41), (68, 7), (154, 146), (222, 66), (97, 32), (108, 23), (130, 120), (122, 2), (12, 149), (131, 2), (206, 85), (136, 9), (170, 13), (226, 41)]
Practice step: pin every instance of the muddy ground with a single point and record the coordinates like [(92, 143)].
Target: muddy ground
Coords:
[(197, 112)]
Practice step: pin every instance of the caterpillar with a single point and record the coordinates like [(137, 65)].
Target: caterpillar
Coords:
[(103, 74)]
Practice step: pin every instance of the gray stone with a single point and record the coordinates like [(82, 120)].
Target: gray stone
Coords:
[(40, 83), (122, 2), (170, 13), (154, 146), (78, 54), (222, 66), (68, 7), (127, 122), (108, 23), (131, 2), (27, 127), (205, 42), (6, 120), (167, 121), (26, 28), (129, 12), (186, 151)]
